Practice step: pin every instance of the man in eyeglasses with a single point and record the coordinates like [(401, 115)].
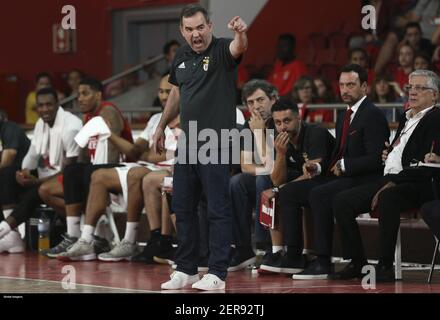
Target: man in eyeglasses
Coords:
[(401, 188)]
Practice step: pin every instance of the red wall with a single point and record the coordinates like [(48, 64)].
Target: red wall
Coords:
[(300, 18), (26, 35)]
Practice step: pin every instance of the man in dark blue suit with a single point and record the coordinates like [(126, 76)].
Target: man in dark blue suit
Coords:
[(356, 159)]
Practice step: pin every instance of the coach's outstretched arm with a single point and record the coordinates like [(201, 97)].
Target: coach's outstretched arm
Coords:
[(240, 43)]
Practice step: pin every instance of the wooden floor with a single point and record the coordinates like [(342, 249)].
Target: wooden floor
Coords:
[(31, 273)]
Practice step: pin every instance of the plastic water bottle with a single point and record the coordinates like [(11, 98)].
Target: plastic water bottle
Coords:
[(43, 233)]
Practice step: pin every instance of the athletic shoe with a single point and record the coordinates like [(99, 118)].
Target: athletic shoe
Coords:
[(11, 242), (124, 250), (209, 282), (179, 280)]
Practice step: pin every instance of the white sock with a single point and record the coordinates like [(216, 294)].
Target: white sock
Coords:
[(4, 228), (87, 233), (131, 232), (275, 249), (7, 212), (73, 226)]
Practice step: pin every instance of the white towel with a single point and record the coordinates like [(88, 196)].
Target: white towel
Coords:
[(96, 127), (48, 141)]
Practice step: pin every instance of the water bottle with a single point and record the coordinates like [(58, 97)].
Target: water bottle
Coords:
[(43, 233)]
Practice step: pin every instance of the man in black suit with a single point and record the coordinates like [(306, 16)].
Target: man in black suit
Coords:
[(401, 188), (355, 159)]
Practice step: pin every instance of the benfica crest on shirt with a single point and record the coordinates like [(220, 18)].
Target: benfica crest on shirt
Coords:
[(206, 63)]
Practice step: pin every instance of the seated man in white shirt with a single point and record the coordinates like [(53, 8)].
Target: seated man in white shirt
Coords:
[(52, 148), (126, 180)]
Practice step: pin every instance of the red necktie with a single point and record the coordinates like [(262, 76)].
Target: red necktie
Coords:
[(345, 127)]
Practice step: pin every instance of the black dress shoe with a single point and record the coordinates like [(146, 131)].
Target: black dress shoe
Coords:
[(316, 271), (384, 273), (351, 271)]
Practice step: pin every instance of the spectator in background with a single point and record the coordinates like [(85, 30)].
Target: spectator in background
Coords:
[(169, 50), (162, 68), (413, 35), (286, 70), (42, 80), (406, 65), (360, 57), (305, 93), (383, 91), (73, 79), (422, 62), (324, 89)]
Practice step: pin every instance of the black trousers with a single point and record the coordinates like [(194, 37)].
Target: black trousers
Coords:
[(321, 199), (77, 178), (431, 215), (291, 199), (10, 189), (25, 208), (348, 204), (190, 180), (25, 199), (318, 194)]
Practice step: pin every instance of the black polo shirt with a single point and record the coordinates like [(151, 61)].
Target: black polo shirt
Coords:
[(14, 137), (207, 84), (314, 141)]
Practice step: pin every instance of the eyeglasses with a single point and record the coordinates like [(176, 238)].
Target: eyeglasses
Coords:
[(416, 88)]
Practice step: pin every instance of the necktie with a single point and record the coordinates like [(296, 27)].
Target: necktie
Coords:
[(345, 126)]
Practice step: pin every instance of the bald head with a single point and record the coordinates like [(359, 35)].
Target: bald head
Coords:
[(164, 90)]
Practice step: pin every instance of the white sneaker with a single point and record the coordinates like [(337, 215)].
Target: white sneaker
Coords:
[(209, 282), (79, 251), (11, 243), (179, 280), (124, 250)]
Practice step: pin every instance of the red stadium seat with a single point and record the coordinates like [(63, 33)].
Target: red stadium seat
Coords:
[(329, 71), (337, 40), (317, 41), (341, 56), (305, 55), (313, 70), (324, 56)]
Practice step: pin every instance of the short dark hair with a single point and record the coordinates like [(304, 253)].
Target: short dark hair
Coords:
[(289, 38), (253, 85), (362, 73), (3, 115), (191, 10), (169, 44), (48, 90), (43, 75), (93, 83), (284, 104), (413, 25), (81, 74), (353, 50)]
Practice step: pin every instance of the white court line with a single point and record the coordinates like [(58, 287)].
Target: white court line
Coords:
[(296, 287), (80, 284)]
